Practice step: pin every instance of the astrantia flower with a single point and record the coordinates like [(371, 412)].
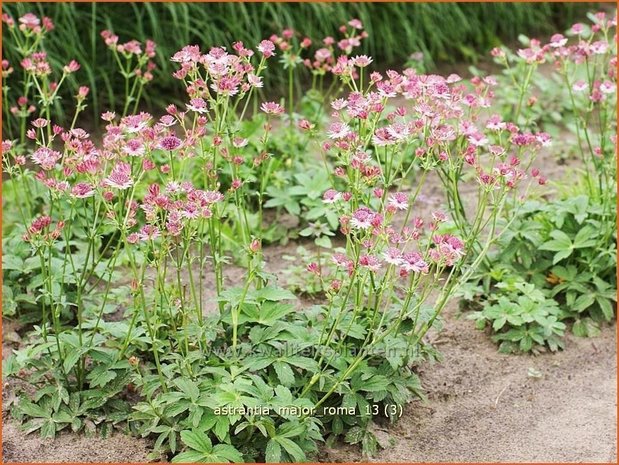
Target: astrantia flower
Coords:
[(413, 261), (495, 123), (339, 104), (82, 190), (340, 259), (370, 262), (399, 201), (254, 81), (46, 158), (477, 139), (30, 20), (361, 61), (170, 143), (198, 105), (355, 23), (579, 86), (272, 108), (393, 256), (134, 148), (120, 177), (362, 218), (338, 130), (608, 87), (557, 41), (331, 196), (149, 233), (266, 47)]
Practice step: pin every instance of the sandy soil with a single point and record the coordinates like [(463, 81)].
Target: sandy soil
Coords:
[(484, 407)]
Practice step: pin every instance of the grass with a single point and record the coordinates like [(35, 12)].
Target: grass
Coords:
[(445, 32)]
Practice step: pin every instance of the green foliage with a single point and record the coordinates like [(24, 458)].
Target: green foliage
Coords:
[(565, 252), (261, 401), (522, 317)]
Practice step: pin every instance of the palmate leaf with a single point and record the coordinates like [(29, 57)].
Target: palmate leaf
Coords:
[(267, 313)]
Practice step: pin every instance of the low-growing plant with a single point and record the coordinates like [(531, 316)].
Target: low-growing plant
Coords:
[(565, 247), (206, 352), (523, 317)]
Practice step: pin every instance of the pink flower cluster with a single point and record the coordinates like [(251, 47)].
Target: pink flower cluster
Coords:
[(29, 23), (39, 231), (226, 74), (170, 211)]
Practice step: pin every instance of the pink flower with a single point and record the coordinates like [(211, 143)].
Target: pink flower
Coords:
[(72, 67), (266, 47), (46, 158), (272, 108), (313, 268), (579, 86), (255, 81), (170, 143), (340, 260), (608, 87), (362, 218), (393, 256), (578, 28), (355, 23), (338, 130), (30, 21), (361, 61), (399, 201), (149, 233), (370, 262), (495, 123), (198, 105), (413, 261), (40, 123), (108, 116), (331, 196), (82, 190), (120, 177), (557, 41)]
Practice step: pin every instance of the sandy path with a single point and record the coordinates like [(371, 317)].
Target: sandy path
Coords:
[(483, 406)]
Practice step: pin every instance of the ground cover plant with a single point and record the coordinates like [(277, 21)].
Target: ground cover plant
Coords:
[(563, 249), (138, 255)]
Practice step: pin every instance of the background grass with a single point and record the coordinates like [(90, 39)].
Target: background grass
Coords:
[(445, 32)]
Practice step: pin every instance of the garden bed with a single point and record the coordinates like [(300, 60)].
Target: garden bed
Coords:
[(553, 407), (482, 406), (242, 280)]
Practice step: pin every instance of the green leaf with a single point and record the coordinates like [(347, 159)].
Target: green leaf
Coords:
[(293, 449), (188, 387), (561, 242), (274, 293), (190, 456), (585, 328), (374, 384), (583, 302), (561, 255), (273, 452), (228, 452), (606, 307), (197, 441), (284, 373), (33, 410)]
